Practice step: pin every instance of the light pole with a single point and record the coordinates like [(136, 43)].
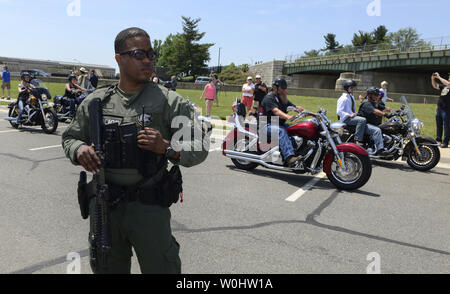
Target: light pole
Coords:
[(218, 63)]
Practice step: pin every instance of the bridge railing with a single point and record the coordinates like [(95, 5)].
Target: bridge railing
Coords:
[(379, 52)]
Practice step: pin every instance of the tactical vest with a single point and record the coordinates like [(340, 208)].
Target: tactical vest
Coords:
[(120, 144)]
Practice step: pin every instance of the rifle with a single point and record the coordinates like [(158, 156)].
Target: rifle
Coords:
[(101, 237)]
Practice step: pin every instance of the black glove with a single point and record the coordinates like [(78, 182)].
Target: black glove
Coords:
[(389, 115)]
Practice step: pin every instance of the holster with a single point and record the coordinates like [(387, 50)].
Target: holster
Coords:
[(170, 188), (85, 193)]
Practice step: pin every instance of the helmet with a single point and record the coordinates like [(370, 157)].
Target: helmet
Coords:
[(168, 84), (373, 90), (24, 74), (71, 77), (349, 83), (280, 82)]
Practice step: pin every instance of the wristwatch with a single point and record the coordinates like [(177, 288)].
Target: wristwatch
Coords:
[(170, 153)]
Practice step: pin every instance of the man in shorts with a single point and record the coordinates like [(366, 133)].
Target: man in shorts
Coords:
[(6, 78)]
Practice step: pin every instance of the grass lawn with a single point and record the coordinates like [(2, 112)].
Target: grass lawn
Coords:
[(425, 113)]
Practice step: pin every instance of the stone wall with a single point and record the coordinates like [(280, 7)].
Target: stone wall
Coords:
[(402, 82), (269, 70)]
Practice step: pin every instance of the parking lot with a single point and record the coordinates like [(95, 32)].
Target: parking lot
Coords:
[(234, 221)]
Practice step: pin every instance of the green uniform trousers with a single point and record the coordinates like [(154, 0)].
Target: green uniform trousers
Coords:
[(147, 229)]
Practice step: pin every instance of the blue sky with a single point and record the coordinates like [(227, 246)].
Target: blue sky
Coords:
[(247, 31)]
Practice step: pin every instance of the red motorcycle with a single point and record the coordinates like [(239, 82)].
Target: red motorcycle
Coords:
[(317, 147)]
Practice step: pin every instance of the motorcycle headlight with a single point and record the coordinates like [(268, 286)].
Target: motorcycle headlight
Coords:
[(417, 126), (44, 97)]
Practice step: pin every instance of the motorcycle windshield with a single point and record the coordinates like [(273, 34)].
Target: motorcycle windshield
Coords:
[(39, 84), (408, 110)]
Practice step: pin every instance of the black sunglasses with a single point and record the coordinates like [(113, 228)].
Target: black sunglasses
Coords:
[(140, 54)]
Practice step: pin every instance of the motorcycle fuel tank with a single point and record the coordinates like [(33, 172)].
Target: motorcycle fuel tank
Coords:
[(305, 129), (391, 128)]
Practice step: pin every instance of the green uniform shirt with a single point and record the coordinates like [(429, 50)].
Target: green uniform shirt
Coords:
[(161, 104)]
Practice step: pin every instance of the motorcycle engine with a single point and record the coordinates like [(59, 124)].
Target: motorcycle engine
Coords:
[(388, 141)]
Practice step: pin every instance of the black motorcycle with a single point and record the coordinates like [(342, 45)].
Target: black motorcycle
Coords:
[(401, 136), (62, 104), (37, 110)]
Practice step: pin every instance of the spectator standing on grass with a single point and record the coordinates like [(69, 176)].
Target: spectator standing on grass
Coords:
[(260, 92), (210, 95), (155, 80), (443, 109), (248, 90), (93, 80), (6, 82), (384, 89), (217, 84), (83, 80)]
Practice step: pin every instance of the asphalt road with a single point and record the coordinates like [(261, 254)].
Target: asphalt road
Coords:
[(233, 221)]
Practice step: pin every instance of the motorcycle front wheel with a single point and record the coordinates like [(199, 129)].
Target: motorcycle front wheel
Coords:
[(354, 174), (13, 112), (50, 122), (429, 159)]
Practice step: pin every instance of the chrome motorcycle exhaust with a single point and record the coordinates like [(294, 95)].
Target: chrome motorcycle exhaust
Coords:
[(255, 159)]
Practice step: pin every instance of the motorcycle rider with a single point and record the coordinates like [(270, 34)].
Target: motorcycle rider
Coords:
[(372, 110), (346, 111), (71, 88), (22, 98), (275, 104)]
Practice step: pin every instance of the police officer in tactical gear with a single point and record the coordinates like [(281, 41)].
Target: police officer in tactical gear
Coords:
[(140, 215)]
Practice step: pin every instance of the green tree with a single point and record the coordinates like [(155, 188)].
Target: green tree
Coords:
[(379, 35), (331, 44), (182, 53), (233, 75), (157, 44), (362, 39), (404, 39), (310, 54)]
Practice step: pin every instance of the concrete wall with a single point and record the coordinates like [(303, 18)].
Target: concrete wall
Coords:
[(316, 81), (401, 82), (269, 70)]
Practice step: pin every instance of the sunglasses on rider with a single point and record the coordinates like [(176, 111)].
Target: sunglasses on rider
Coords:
[(140, 54)]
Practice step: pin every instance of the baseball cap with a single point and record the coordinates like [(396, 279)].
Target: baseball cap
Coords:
[(249, 78), (258, 77)]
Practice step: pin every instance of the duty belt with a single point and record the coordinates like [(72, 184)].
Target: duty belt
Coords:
[(133, 194)]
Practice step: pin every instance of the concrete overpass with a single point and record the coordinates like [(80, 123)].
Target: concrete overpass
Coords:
[(406, 71)]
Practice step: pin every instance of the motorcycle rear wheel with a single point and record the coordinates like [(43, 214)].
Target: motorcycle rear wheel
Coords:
[(243, 146), (429, 159), (358, 172)]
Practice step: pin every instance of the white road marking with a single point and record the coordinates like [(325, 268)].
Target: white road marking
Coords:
[(9, 131), (46, 147), (443, 165), (12, 131), (294, 197)]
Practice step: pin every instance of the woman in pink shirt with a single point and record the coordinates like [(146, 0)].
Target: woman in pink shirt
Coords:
[(210, 95)]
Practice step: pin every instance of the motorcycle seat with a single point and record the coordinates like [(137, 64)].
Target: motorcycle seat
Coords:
[(351, 129)]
